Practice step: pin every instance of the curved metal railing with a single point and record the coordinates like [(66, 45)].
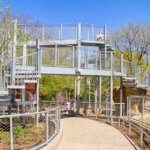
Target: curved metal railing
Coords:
[(29, 130)]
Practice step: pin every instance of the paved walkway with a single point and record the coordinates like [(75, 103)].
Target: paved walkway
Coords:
[(85, 134)]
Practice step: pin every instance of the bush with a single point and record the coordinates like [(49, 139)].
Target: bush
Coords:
[(19, 131)]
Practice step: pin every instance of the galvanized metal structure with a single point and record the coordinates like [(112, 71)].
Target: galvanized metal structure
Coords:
[(78, 50)]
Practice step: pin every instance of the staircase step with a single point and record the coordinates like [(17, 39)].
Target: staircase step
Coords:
[(16, 86), (130, 85), (27, 76), (30, 81), (128, 78)]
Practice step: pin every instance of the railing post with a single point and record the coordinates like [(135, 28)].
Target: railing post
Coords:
[(57, 119), (56, 55), (130, 128), (24, 55), (61, 31), (121, 59), (95, 95), (11, 133), (92, 32), (43, 32), (141, 137), (100, 60), (47, 127), (73, 57), (143, 108)]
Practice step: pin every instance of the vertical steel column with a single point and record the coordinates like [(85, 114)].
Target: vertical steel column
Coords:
[(79, 46), (100, 63), (96, 65), (78, 95), (14, 53), (78, 66), (111, 88), (95, 95), (85, 96), (105, 33), (24, 54), (75, 88), (89, 82), (37, 70), (100, 91), (121, 96)]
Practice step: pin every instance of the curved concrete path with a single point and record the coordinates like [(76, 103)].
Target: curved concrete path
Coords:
[(85, 134)]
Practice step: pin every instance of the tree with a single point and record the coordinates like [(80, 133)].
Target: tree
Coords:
[(132, 40)]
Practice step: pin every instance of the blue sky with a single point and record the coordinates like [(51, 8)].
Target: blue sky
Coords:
[(114, 13)]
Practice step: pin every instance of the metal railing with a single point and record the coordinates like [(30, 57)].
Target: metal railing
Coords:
[(138, 107), (29, 130), (88, 32)]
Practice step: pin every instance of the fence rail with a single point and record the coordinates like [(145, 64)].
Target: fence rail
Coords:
[(63, 32), (29, 130)]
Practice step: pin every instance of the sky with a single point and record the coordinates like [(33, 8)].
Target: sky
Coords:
[(113, 13)]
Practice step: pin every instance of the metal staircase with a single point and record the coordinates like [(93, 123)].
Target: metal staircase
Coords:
[(135, 76), (15, 77)]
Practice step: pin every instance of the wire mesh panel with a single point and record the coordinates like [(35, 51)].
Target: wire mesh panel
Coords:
[(139, 108), (103, 109), (48, 56), (106, 60), (142, 76), (129, 69), (93, 60), (5, 133), (30, 130), (92, 33), (117, 65), (61, 32), (65, 57)]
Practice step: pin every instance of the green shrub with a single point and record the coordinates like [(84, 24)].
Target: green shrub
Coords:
[(19, 131)]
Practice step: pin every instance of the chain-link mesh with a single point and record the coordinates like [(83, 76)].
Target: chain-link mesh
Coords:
[(102, 109), (139, 108), (25, 131)]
